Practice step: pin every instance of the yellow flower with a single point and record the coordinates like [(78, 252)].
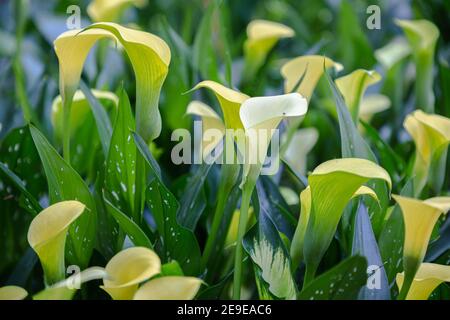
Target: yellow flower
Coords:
[(305, 211), (427, 278), (149, 56), (127, 269), (12, 293), (262, 36), (422, 36), (301, 74), (230, 102), (300, 145), (110, 10), (420, 218), (372, 104), (353, 86), (80, 109), (47, 236), (333, 184), (431, 135), (169, 288), (260, 117)]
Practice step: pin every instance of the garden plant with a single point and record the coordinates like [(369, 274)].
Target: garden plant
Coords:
[(224, 149)]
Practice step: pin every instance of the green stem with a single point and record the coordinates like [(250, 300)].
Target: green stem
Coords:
[(66, 132), (310, 273), (245, 203), (405, 288), (226, 184), (424, 82)]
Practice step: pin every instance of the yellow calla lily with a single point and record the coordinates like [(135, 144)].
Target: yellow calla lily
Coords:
[(12, 293), (393, 52), (80, 108), (262, 36), (127, 269), (431, 135), (65, 290), (47, 236), (210, 121), (333, 183), (110, 10), (300, 145), (428, 277), (420, 218), (309, 69), (422, 36), (372, 104), (230, 102), (169, 288), (260, 117), (149, 56), (353, 86), (298, 239)]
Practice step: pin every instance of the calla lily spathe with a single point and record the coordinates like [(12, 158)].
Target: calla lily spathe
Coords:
[(431, 135), (260, 117), (262, 36), (333, 183), (230, 102), (422, 36), (47, 236), (428, 277), (210, 121), (80, 108), (420, 218), (169, 288), (308, 69), (298, 239), (149, 56), (353, 86), (110, 10), (12, 293), (127, 269), (372, 104), (300, 145)]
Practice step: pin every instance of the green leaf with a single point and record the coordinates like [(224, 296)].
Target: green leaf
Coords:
[(392, 237), (192, 203), (178, 243), (267, 250), (132, 230), (65, 183), (392, 162), (18, 153), (29, 202), (342, 282), (271, 198), (203, 53), (365, 244), (120, 176), (171, 268), (353, 145), (354, 49), (101, 117)]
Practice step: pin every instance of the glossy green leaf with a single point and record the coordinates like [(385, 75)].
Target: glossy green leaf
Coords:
[(131, 229), (266, 249), (342, 282), (65, 184), (365, 245), (120, 178)]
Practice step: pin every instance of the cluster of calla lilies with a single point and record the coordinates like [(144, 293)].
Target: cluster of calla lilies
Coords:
[(135, 272)]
